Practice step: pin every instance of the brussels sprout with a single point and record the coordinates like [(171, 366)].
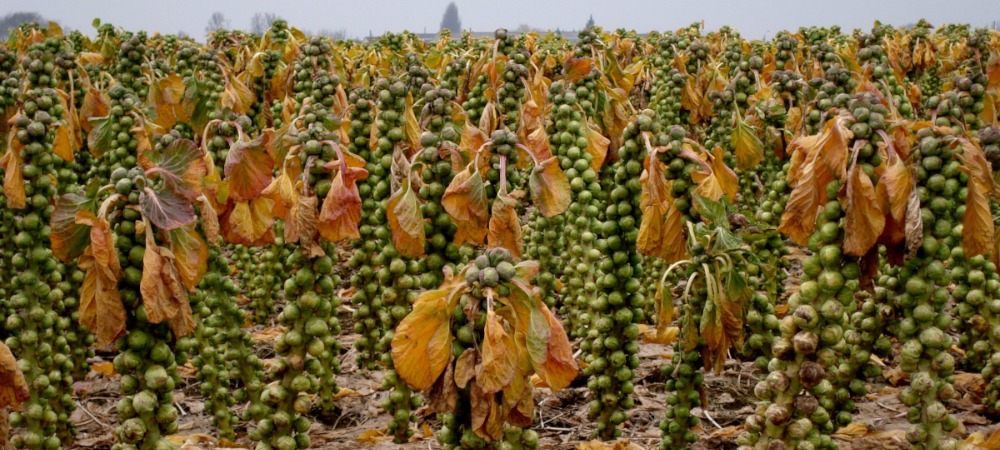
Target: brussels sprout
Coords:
[(607, 288), (920, 296), (155, 377), (777, 415), (125, 409), (132, 431)]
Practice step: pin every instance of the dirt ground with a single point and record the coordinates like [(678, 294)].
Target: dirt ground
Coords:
[(561, 421)]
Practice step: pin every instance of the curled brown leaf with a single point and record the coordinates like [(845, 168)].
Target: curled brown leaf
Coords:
[(341, 212), (499, 351), (505, 226), (977, 236), (864, 215), (13, 387)]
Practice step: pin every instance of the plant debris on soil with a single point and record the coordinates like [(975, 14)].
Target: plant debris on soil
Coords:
[(562, 423)]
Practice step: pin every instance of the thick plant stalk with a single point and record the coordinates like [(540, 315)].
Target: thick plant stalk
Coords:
[(761, 330), (510, 93), (766, 190), (767, 275), (146, 360), (150, 374), (38, 284), (262, 85), (668, 82), (730, 103), (541, 244), (872, 58), (229, 371), (575, 230), (416, 74), (867, 336), (612, 338), (653, 268), (308, 349), (79, 337), (817, 361), (799, 400), (978, 314), (490, 284), (398, 274), (719, 300), (991, 371), (373, 230), (440, 141), (685, 378), (265, 278), (922, 330)]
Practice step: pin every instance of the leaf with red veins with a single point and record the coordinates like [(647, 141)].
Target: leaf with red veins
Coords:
[(248, 169)]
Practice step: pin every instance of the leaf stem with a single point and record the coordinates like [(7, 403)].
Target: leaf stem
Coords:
[(503, 174)]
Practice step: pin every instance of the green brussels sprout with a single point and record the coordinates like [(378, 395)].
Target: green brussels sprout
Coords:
[(166, 414), (125, 409), (132, 431), (155, 377), (144, 402)]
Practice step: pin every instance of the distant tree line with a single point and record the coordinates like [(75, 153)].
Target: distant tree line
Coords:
[(14, 19)]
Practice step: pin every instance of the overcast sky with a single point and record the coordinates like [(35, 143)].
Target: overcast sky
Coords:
[(754, 18)]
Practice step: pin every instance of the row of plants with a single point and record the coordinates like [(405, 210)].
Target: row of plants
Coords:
[(497, 196)]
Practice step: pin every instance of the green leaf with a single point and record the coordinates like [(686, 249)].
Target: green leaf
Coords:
[(531, 321), (768, 270), (712, 210), (108, 50), (751, 237), (714, 333), (689, 334), (196, 94), (96, 23), (101, 138), (702, 231), (665, 311), (538, 334), (725, 240), (710, 318), (748, 149), (737, 288), (524, 271)]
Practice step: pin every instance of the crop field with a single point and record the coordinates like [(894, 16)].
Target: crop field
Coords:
[(679, 240)]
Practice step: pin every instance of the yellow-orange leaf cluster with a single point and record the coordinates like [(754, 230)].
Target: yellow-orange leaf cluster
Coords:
[(816, 161), (661, 231), (977, 237), (505, 226), (465, 200), (101, 308)]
